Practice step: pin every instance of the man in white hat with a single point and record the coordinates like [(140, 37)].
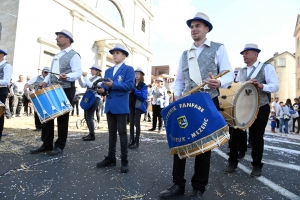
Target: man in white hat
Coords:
[(65, 70), (5, 77), (264, 76), (120, 83), (33, 85), (211, 58)]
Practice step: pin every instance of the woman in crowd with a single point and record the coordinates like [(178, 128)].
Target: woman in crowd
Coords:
[(160, 100), (284, 117), (91, 84), (137, 106)]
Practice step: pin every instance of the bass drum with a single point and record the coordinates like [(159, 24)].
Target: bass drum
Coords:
[(239, 104)]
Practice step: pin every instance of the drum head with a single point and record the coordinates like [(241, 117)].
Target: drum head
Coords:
[(246, 105)]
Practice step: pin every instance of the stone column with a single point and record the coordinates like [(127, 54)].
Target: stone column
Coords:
[(102, 61)]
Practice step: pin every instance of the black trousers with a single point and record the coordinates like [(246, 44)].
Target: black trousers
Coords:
[(294, 120), (257, 131), (11, 104), (277, 123), (156, 115), (147, 114), (37, 121), (117, 123), (19, 101), (201, 167), (3, 96), (135, 121), (89, 116), (238, 143), (62, 126), (75, 104)]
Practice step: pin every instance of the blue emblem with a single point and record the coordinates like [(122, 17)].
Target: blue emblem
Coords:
[(182, 121)]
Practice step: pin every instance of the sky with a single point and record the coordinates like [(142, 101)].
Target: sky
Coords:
[(268, 23)]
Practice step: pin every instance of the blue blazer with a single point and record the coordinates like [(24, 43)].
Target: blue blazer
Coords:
[(117, 101)]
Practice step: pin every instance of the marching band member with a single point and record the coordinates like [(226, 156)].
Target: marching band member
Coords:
[(36, 81), (204, 60), (67, 64), (120, 83), (91, 84), (137, 106), (264, 76), (5, 77)]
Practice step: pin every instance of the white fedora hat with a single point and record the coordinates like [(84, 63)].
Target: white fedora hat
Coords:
[(46, 69), (67, 34), (252, 47), (140, 70), (201, 17), (96, 67), (160, 79), (119, 47), (3, 50)]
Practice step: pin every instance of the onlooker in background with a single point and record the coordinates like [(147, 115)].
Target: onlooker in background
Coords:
[(137, 106), (11, 96), (273, 122), (26, 100), (170, 96), (5, 77), (75, 102), (160, 100), (288, 103), (33, 84), (284, 117), (19, 94), (148, 104), (275, 108), (296, 107)]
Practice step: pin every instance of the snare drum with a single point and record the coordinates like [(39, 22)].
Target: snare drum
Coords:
[(239, 104), (194, 125), (50, 103)]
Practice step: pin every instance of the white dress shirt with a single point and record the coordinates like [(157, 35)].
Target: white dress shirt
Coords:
[(7, 70), (75, 64), (221, 60), (116, 67), (88, 83), (270, 77)]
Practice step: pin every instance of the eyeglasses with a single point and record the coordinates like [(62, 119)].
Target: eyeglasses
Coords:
[(46, 72)]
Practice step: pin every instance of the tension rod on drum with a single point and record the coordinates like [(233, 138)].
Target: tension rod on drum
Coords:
[(202, 85)]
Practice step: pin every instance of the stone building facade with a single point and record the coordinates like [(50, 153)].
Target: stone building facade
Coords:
[(284, 64), (28, 31), (297, 54)]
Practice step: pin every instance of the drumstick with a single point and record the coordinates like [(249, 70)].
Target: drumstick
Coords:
[(202, 85), (50, 72)]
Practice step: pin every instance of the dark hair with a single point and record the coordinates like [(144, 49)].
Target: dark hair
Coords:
[(289, 104), (280, 102)]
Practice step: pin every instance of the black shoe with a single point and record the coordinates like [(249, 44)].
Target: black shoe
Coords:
[(241, 155), (55, 151), (151, 129), (197, 195), (89, 137), (135, 145), (249, 146), (171, 192), (37, 130), (256, 172), (149, 120), (18, 116), (40, 150), (230, 169), (106, 162), (131, 142), (124, 166)]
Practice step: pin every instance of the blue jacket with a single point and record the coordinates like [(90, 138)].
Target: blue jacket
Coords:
[(140, 93), (117, 101)]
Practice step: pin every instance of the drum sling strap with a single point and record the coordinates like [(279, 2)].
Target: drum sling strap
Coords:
[(254, 71)]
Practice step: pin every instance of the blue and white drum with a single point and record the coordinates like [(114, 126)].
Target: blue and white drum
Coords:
[(50, 103), (194, 125)]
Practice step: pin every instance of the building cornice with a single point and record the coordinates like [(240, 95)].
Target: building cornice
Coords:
[(48, 43), (143, 6), (104, 20)]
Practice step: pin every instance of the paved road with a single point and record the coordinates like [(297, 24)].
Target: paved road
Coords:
[(73, 174)]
